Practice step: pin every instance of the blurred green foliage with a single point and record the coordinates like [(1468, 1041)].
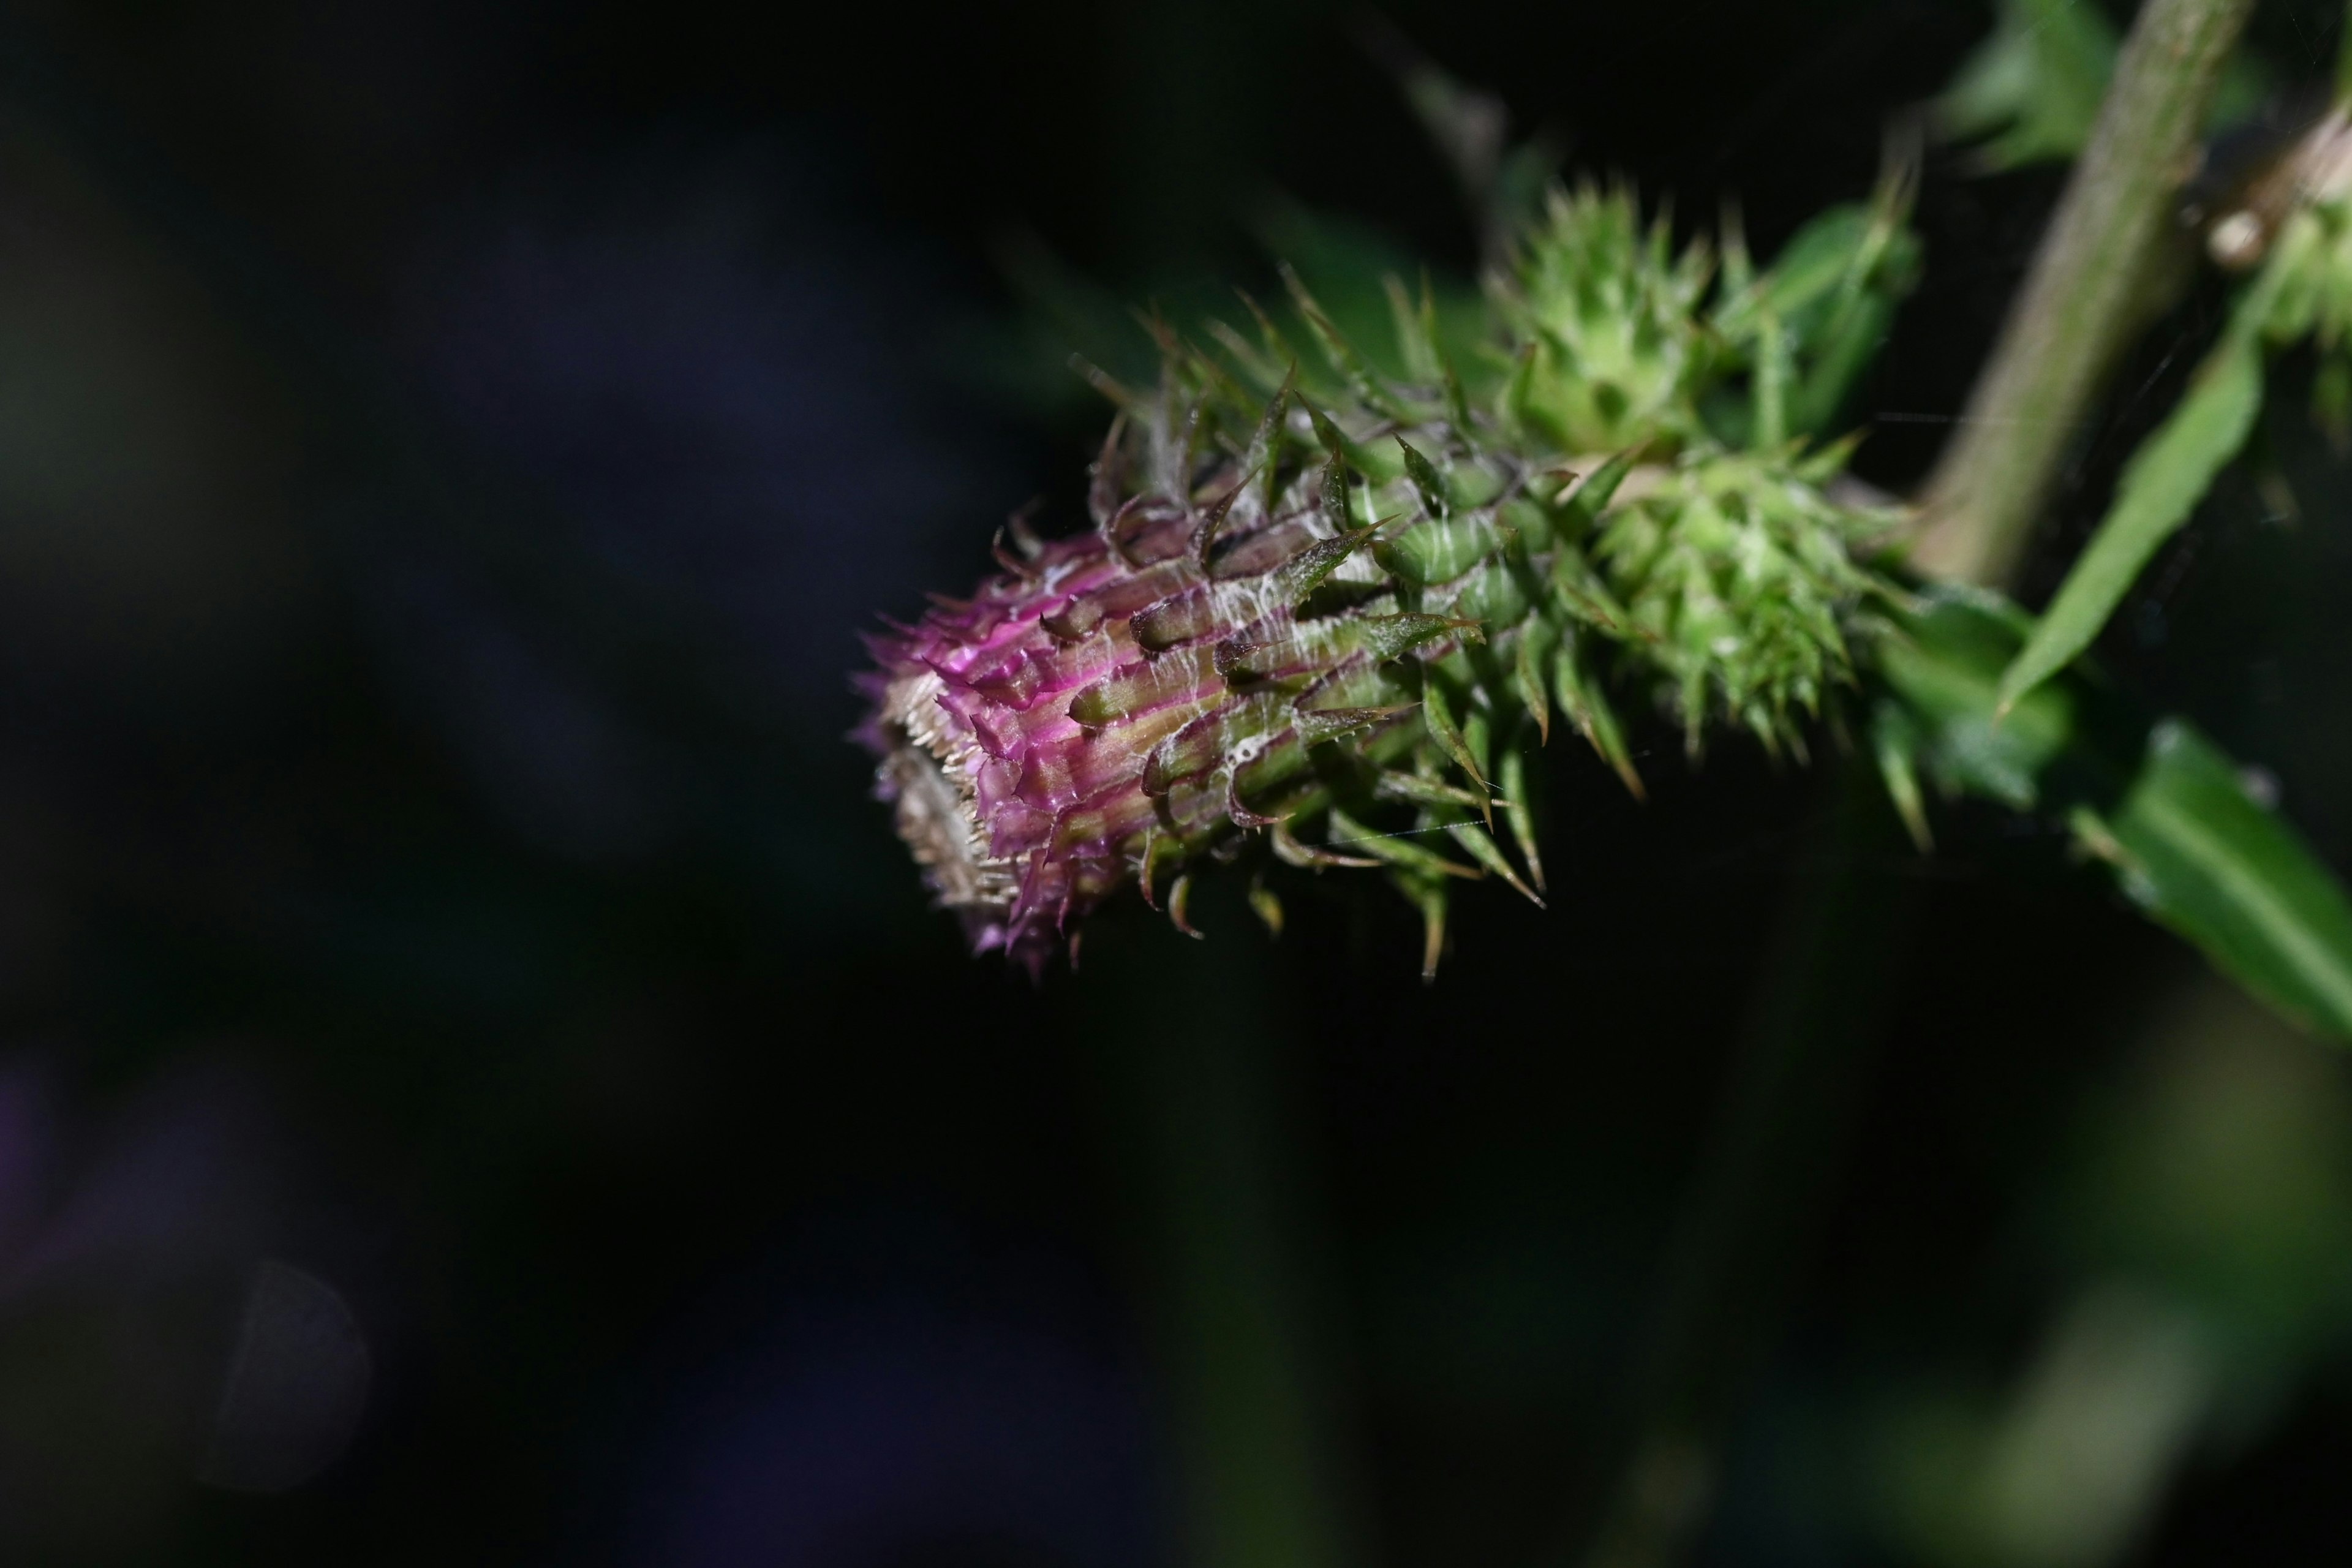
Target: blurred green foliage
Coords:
[(2030, 92)]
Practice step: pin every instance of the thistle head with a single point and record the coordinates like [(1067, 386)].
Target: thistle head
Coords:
[(1334, 631)]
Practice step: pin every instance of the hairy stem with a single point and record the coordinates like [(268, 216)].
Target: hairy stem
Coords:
[(2083, 300)]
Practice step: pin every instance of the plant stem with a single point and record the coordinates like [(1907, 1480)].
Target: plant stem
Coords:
[(2082, 302)]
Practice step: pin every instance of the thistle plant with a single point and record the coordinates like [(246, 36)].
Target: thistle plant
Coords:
[(1327, 615)]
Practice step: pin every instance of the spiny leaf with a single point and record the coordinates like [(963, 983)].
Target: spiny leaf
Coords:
[(1016, 562), (1769, 384), (1347, 833), (1024, 536), (1580, 697), (1157, 327), (1437, 714), (1483, 848), (1204, 536), (1316, 725), (1738, 267), (1519, 814), (1296, 577), (1311, 857), (1426, 481), (1396, 785), (1227, 397), (1331, 492), (1239, 811), (1179, 445), (1205, 742), (1147, 865), (1371, 460), (1527, 679), (1895, 743), (1494, 593), (1136, 688), (1389, 636), (1265, 454), (1477, 734), (1323, 643)]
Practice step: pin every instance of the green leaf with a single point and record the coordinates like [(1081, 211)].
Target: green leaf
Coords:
[(1817, 316), (2033, 91), (2156, 801), (1946, 667), (2034, 87), (2161, 486), (2205, 859)]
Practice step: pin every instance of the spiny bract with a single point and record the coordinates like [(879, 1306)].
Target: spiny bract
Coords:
[(1329, 613)]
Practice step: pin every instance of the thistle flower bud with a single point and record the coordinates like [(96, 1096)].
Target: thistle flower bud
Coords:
[(1739, 572), (1330, 620), (1134, 695), (1607, 313)]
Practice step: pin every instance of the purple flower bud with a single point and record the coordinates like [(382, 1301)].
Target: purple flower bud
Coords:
[(1092, 709)]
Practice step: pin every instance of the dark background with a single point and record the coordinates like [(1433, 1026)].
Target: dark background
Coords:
[(447, 454)]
